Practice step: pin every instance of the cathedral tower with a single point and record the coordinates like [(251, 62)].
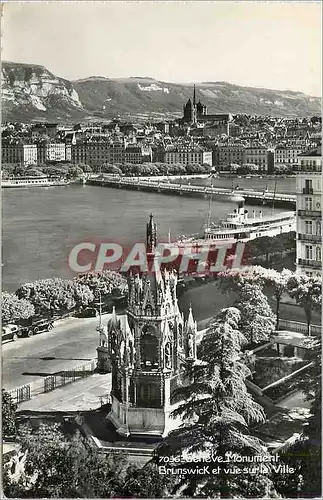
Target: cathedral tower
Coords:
[(148, 348)]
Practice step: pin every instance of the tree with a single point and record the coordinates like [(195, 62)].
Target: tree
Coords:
[(216, 410), (61, 467), (8, 415), (19, 171), (307, 290), (146, 482), (53, 171), (15, 309), (277, 281), (107, 282), (257, 321), (74, 171), (111, 169), (56, 294), (34, 172), (85, 168), (234, 279), (7, 172)]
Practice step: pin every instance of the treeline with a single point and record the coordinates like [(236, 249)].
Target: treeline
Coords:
[(264, 250), (151, 169), (72, 171), (249, 284), (55, 169), (56, 297)]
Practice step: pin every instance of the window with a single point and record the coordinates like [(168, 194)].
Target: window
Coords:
[(308, 227), (308, 184), (308, 203), (308, 252)]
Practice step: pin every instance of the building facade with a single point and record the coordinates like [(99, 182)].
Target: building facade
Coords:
[(189, 155), (133, 154), (309, 213), (257, 155), (287, 155), (231, 154), (19, 154)]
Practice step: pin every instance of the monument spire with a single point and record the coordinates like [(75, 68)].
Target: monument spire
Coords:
[(151, 235)]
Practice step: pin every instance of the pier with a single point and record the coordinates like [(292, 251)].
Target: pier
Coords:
[(166, 187)]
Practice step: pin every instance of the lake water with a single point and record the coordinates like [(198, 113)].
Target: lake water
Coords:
[(41, 225)]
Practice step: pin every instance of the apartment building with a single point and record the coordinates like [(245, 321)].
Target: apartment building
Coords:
[(228, 154), (309, 213), (133, 154), (190, 155), (257, 155), (19, 154), (93, 153), (55, 151), (287, 154)]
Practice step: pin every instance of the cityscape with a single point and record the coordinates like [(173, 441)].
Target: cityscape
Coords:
[(161, 261)]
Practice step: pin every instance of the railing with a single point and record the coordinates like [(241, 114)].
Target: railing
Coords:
[(307, 190), (317, 264), (287, 377), (181, 188), (66, 377), (20, 394), (309, 237), (295, 326), (310, 213), (47, 384)]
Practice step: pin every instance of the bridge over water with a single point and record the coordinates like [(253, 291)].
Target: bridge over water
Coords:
[(171, 188)]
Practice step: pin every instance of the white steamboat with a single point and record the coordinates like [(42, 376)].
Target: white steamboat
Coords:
[(23, 182), (240, 226)]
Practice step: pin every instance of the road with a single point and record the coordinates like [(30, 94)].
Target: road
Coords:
[(207, 299), (68, 345), (75, 340)]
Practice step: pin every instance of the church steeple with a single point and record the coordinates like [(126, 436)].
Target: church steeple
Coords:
[(194, 96), (151, 240)]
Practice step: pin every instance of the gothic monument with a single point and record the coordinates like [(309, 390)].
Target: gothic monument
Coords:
[(146, 350)]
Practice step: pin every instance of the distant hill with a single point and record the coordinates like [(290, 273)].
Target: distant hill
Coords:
[(31, 92)]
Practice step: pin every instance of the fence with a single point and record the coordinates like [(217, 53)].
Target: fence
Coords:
[(51, 382), (295, 326), (20, 394), (66, 377)]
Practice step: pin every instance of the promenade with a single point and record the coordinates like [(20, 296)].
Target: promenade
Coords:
[(178, 189)]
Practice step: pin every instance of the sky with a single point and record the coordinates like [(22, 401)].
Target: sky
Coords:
[(261, 44)]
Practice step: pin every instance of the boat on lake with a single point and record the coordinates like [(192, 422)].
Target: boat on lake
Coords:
[(22, 182), (240, 225)]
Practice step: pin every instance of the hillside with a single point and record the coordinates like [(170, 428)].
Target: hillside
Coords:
[(31, 92)]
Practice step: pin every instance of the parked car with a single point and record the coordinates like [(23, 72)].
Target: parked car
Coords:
[(89, 312), (37, 325), (11, 332)]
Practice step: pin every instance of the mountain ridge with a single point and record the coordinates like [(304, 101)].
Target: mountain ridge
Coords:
[(30, 92)]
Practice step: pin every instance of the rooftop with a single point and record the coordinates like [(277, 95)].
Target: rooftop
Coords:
[(314, 152)]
